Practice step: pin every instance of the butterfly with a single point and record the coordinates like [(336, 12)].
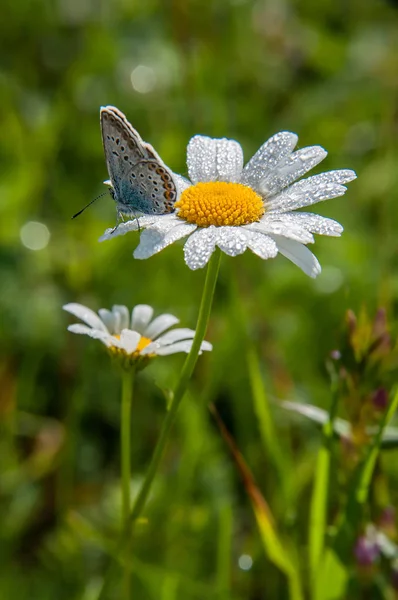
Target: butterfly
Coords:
[(139, 180)]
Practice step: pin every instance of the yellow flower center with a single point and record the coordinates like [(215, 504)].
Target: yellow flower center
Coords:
[(134, 359), (143, 343), (220, 203)]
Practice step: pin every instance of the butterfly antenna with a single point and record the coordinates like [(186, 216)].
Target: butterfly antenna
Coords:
[(89, 204)]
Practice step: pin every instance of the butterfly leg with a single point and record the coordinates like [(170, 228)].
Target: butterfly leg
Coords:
[(119, 219)]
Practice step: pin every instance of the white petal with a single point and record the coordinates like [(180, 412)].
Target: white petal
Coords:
[(165, 223), (299, 255), (122, 317), (176, 335), (311, 190), (96, 334), (85, 314), (231, 240), (293, 167), (280, 226), (140, 317), (159, 325), (268, 157), (153, 240), (133, 225), (181, 183), (184, 346), (199, 247), (311, 222), (212, 159), (262, 245), (129, 340), (108, 318)]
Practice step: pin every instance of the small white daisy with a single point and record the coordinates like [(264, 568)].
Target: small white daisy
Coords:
[(134, 340), (236, 207)]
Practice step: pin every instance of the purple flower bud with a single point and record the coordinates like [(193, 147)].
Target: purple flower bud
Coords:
[(366, 551), (335, 354)]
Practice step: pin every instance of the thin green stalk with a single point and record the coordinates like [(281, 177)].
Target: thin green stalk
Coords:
[(187, 370), (319, 500), (125, 459), (186, 373)]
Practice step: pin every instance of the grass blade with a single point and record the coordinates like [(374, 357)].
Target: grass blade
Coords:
[(275, 549)]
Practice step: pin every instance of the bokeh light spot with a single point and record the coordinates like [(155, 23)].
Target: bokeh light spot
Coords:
[(34, 235), (245, 562), (143, 79)]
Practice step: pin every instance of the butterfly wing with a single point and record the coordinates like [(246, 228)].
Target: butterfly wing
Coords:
[(140, 180)]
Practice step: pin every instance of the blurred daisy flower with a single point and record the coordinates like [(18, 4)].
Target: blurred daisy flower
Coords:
[(236, 207), (134, 340)]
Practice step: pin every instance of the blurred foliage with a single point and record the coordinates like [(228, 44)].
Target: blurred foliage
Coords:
[(237, 68)]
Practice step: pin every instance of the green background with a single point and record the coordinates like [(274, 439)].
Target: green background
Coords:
[(240, 69)]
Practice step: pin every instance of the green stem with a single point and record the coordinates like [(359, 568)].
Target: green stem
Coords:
[(319, 500), (186, 373), (187, 370), (125, 456)]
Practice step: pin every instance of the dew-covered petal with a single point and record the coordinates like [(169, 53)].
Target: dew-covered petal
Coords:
[(108, 318), (262, 245), (311, 190), (176, 335), (122, 317), (129, 340), (183, 346), (268, 157), (231, 240), (211, 159), (85, 314), (159, 325), (133, 225), (153, 240), (165, 223), (310, 222), (299, 255), (288, 170), (140, 317), (199, 247), (293, 167), (96, 334), (280, 226)]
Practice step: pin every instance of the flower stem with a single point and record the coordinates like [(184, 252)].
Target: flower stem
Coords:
[(187, 370), (125, 459)]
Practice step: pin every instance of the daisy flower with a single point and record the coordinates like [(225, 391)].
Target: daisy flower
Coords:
[(236, 207), (134, 340)]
